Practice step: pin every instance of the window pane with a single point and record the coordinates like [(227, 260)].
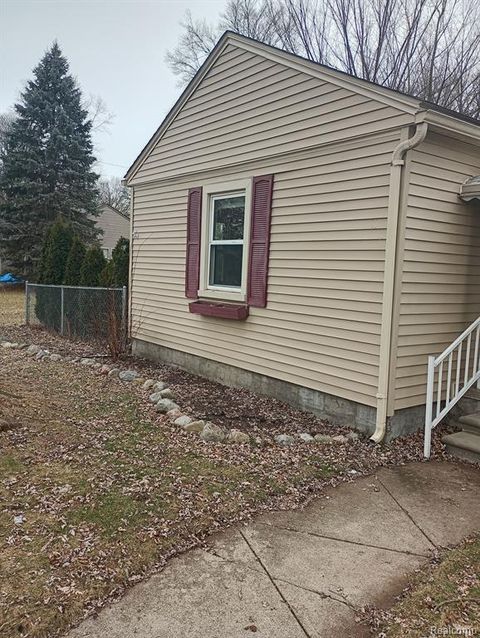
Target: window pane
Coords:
[(228, 216), (226, 265)]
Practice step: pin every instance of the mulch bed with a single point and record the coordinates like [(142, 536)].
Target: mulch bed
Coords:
[(198, 397)]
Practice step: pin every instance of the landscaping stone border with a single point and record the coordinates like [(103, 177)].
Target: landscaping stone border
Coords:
[(163, 400)]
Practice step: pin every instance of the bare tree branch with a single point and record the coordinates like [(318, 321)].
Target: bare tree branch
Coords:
[(195, 44), (98, 113), (428, 48), (112, 192)]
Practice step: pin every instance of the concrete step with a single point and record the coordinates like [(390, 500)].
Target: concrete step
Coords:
[(470, 422), (473, 393), (469, 403), (465, 445)]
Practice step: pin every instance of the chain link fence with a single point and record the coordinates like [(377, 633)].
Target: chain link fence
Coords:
[(88, 314)]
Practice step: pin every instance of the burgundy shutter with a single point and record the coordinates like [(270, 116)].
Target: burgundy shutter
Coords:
[(194, 224), (259, 240)]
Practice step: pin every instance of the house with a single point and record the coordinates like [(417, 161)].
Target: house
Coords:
[(302, 233), (114, 225)]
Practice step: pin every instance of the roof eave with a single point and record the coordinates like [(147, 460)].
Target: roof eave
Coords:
[(115, 210), (443, 123)]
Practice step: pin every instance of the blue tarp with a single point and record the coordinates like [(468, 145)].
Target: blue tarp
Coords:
[(8, 278)]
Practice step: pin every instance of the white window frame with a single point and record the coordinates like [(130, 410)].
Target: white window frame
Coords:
[(106, 252), (210, 193)]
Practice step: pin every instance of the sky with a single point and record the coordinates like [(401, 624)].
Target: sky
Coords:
[(116, 50)]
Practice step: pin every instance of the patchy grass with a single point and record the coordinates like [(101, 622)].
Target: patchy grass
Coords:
[(12, 306), (445, 597), (98, 490), (94, 494)]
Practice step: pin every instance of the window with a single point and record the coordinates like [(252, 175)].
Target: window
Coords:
[(106, 253), (224, 241), (227, 223), (227, 246)]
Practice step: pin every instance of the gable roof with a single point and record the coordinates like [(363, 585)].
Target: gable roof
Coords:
[(115, 210), (409, 104)]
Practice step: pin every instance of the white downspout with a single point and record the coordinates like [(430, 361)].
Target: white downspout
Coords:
[(397, 164), (130, 259)]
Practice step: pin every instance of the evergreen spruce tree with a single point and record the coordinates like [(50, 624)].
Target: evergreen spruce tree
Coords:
[(92, 267), (74, 263), (46, 164)]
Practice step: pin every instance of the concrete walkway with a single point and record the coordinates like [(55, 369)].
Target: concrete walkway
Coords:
[(304, 573)]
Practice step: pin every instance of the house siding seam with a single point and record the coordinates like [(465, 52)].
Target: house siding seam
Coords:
[(440, 283), (321, 326)]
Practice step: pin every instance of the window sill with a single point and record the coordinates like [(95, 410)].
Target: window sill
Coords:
[(221, 296), (238, 312)]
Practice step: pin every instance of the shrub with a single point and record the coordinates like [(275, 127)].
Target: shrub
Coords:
[(92, 267), (44, 255), (55, 250), (57, 245), (74, 263), (106, 278), (120, 262)]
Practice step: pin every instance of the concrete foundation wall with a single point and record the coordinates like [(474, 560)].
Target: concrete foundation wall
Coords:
[(405, 421), (336, 409)]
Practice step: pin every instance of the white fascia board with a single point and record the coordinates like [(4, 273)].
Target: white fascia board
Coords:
[(448, 124)]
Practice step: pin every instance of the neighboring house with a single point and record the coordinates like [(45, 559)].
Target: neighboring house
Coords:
[(300, 232), (114, 225)]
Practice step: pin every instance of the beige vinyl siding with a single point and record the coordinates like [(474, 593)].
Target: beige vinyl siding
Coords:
[(248, 108), (114, 226), (321, 326), (440, 292)]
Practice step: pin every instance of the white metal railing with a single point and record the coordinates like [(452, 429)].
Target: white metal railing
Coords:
[(462, 371)]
